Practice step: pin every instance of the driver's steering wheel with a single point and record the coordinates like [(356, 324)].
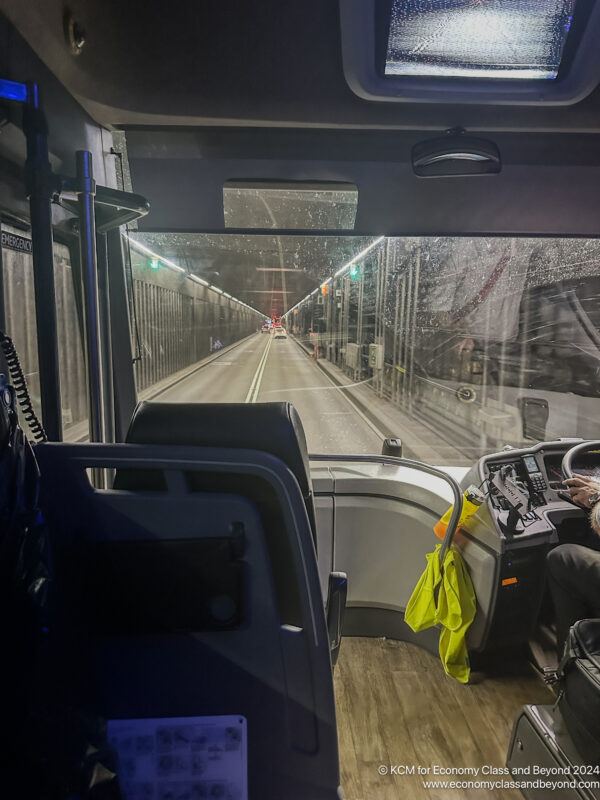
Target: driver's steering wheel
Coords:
[(576, 451)]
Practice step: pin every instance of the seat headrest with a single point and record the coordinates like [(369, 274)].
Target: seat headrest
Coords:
[(273, 428)]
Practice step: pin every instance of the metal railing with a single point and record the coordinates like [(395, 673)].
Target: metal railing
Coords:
[(418, 465)]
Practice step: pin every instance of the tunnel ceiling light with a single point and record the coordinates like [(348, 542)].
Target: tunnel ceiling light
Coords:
[(521, 40), (201, 281)]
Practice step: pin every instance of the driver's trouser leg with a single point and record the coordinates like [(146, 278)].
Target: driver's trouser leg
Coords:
[(574, 579)]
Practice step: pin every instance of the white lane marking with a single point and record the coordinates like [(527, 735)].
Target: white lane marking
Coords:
[(193, 372), (221, 364), (262, 371), (256, 381)]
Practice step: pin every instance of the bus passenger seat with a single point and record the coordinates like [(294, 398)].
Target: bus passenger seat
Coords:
[(193, 592), (273, 428)]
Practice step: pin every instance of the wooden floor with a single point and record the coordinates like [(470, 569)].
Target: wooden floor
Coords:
[(395, 706)]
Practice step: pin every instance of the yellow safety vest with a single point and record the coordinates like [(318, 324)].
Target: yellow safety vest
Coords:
[(452, 606)]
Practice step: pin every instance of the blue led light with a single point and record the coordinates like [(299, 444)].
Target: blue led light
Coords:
[(10, 90)]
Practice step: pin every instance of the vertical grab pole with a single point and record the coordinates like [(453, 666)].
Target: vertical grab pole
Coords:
[(40, 188), (106, 337), (86, 190)]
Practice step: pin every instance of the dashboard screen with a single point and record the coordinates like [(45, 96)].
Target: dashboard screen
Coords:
[(586, 464)]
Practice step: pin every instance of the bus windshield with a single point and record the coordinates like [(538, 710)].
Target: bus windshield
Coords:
[(456, 345)]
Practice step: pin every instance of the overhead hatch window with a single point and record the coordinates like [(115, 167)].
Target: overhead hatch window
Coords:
[(509, 39), (290, 205)]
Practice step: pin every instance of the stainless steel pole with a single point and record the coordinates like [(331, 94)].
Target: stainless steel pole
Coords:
[(106, 337), (86, 190)]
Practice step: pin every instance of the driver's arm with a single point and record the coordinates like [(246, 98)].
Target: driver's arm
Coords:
[(586, 493)]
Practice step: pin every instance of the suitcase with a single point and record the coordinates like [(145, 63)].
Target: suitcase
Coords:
[(541, 750), (579, 700)]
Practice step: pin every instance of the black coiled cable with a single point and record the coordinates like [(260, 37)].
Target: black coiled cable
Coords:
[(20, 386)]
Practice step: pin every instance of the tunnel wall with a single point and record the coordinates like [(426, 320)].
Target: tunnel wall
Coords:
[(19, 301), (179, 322), (484, 341)]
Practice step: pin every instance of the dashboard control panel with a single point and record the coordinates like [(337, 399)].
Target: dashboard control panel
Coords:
[(524, 474), (525, 488)]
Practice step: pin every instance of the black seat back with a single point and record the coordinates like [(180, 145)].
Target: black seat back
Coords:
[(273, 428), (189, 603)]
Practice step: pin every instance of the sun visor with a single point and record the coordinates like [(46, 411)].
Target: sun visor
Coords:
[(366, 185)]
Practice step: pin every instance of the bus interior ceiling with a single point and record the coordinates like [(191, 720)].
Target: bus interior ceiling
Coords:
[(458, 314)]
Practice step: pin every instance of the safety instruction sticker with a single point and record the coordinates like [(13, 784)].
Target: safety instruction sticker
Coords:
[(181, 758)]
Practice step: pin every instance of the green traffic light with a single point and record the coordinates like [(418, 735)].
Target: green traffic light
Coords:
[(155, 263)]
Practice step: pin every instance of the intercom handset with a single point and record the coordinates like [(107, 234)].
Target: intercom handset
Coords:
[(506, 482)]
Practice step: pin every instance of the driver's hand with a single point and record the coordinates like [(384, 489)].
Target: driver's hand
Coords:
[(580, 489)]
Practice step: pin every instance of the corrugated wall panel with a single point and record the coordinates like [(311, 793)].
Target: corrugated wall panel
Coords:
[(175, 322)]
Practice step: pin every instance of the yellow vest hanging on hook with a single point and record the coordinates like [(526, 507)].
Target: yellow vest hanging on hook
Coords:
[(444, 595)]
